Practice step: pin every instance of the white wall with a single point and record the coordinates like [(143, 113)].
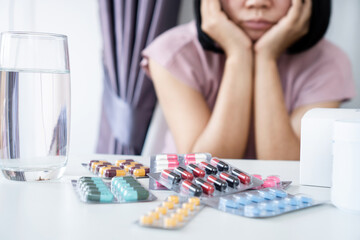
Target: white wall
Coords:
[(344, 31), (79, 20)]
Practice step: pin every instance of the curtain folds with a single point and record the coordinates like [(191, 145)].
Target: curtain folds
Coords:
[(128, 26)]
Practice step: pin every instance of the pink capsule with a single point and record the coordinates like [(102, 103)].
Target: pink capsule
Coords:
[(167, 164), (166, 157), (195, 158)]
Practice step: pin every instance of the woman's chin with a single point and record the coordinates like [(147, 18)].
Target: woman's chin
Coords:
[(254, 36)]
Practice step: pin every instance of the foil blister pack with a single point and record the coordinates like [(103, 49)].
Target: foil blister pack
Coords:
[(173, 213), (120, 190), (124, 167), (262, 203), (200, 175)]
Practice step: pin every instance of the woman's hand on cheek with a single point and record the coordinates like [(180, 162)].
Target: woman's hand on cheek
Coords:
[(226, 33), (287, 31)]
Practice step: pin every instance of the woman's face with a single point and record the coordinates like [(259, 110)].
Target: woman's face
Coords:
[(255, 17)]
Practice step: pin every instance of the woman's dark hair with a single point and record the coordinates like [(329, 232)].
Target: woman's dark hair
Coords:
[(319, 21)]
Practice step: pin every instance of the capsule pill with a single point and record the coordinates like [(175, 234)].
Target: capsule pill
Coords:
[(220, 165), (191, 188), (101, 166), (219, 184), (120, 162), (196, 170), (183, 173), (243, 177), (114, 172), (206, 187), (195, 158), (231, 180), (166, 164), (208, 168), (166, 157), (123, 164), (170, 177), (141, 172)]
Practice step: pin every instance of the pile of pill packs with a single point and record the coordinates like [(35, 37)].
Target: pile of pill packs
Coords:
[(197, 179)]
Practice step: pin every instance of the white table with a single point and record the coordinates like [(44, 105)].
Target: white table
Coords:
[(52, 210)]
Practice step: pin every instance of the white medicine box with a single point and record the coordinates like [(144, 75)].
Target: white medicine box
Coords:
[(316, 144)]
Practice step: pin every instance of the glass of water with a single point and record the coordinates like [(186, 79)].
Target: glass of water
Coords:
[(34, 105)]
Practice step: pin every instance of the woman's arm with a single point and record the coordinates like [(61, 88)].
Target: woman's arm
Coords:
[(277, 133), (195, 128), (224, 131)]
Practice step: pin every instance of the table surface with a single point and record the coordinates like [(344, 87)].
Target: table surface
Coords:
[(52, 210)]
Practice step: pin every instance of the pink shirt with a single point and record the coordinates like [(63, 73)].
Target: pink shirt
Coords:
[(320, 74)]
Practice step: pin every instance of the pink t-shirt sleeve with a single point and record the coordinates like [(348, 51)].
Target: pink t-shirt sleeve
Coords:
[(327, 77), (175, 51)]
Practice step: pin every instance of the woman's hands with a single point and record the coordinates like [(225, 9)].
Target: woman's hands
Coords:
[(226, 33), (289, 29), (232, 38)]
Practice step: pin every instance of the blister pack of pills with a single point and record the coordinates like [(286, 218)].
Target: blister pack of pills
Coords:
[(120, 190), (262, 203), (173, 213), (121, 168), (161, 162), (205, 177)]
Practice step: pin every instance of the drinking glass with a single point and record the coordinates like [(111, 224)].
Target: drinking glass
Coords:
[(34, 105)]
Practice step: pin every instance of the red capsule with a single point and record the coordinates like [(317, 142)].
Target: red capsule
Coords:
[(220, 165), (171, 177), (196, 170), (209, 169), (231, 180), (191, 188), (244, 178), (183, 173), (206, 187), (219, 184)]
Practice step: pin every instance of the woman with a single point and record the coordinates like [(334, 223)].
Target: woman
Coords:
[(248, 101)]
